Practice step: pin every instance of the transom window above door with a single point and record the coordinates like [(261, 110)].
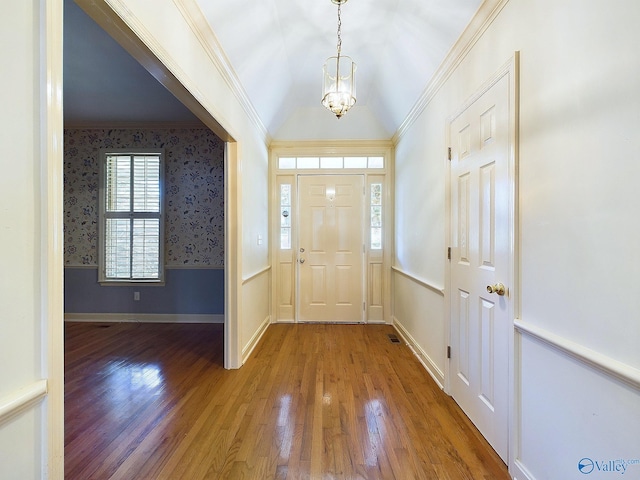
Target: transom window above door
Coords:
[(304, 163)]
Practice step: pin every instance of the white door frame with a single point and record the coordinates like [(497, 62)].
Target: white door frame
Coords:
[(378, 264), (53, 441), (510, 69)]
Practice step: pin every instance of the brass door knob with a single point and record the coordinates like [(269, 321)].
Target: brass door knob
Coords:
[(497, 288)]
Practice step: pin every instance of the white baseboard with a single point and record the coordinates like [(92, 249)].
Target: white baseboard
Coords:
[(425, 360), (248, 349), (519, 472), (144, 317)]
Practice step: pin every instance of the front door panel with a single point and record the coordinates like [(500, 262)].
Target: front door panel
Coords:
[(330, 248)]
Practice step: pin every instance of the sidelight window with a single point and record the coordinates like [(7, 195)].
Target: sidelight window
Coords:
[(375, 206), (285, 216)]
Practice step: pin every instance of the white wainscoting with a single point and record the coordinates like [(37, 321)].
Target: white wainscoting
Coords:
[(418, 317), (255, 339), (255, 310), (436, 373), (573, 404)]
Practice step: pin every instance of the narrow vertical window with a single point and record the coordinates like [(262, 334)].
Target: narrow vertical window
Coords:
[(131, 217), (285, 216), (376, 216)]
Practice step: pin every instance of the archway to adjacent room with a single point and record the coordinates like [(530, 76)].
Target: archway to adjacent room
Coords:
[(104, 16)]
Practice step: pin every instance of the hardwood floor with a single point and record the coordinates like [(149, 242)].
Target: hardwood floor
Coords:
[(153, 401)]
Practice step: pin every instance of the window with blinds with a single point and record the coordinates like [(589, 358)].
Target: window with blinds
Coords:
[(131, 217)]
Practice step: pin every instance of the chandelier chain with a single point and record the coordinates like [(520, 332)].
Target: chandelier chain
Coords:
[(339, 31)]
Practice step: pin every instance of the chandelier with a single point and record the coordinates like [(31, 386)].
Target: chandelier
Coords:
[(339, 77)]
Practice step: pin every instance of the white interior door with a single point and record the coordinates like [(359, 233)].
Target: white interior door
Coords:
[(330, 248), (481, 260)]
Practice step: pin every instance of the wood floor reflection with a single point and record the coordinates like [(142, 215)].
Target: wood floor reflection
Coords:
[(153, 401)]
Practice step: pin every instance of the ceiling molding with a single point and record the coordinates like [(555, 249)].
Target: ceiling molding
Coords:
[(206, 36), (480, 22), (330, 146)]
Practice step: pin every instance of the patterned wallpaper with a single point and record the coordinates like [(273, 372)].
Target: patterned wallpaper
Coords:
[(194, 192)]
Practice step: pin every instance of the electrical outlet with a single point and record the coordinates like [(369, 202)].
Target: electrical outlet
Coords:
[(136, 296)]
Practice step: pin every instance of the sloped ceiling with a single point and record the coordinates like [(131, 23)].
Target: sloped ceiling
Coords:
[(277, 49), (103, 84)]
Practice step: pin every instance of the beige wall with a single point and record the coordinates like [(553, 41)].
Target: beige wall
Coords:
[(31, 376), (578, 223)]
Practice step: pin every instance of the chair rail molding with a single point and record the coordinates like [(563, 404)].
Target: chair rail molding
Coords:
[(605, 364), (21, 399)]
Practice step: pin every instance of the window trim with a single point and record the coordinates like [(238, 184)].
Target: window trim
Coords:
[(322, 162), (102, 217)]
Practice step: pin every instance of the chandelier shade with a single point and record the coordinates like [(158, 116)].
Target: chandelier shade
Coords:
[(339, 77), (339, 85)]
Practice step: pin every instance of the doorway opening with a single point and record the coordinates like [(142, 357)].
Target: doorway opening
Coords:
[(118, 94)]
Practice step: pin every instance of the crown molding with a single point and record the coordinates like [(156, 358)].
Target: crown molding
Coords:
[(330, 146), (206, 36), (483, 18)]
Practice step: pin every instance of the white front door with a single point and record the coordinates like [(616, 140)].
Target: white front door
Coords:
[(481, 260), (330, 248)]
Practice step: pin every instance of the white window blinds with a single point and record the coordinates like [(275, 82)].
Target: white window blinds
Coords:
[(132, 217)]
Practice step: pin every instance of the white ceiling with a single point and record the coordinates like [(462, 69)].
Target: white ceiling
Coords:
[(277, 49)]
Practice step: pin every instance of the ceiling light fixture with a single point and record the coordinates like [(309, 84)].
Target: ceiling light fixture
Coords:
[(339, 77)]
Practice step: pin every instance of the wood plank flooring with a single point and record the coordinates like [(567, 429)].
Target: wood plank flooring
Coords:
[(153, 401)]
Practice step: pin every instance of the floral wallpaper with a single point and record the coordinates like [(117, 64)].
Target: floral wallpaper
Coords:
[(194, 192)]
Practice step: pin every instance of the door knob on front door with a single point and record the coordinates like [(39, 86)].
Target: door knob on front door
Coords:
[(497, 288), (301, 260)]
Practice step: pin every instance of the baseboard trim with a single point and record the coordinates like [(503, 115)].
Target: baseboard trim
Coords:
[(144, 317), (426, 361), (521, 472), (248, 349)]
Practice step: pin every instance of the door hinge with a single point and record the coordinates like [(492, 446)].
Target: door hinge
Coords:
[(448, 253), (364, 306), (449, 351), (449, 153)]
